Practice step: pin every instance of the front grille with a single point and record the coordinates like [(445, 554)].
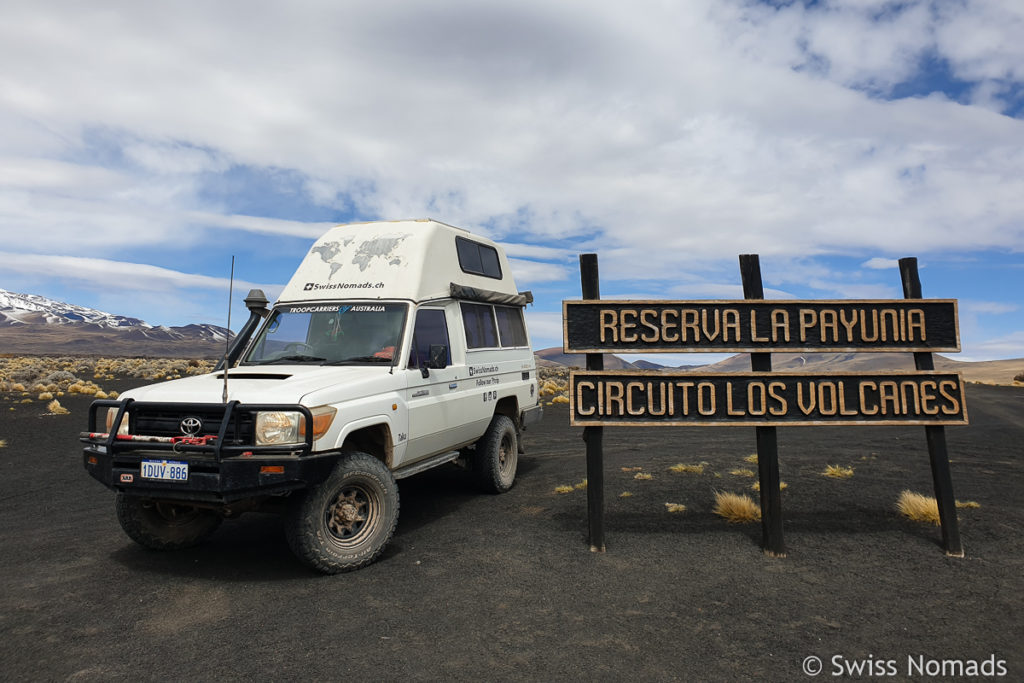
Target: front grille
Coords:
[(157, 421)]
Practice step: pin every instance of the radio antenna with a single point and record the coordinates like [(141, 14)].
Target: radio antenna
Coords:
[(227, 337)]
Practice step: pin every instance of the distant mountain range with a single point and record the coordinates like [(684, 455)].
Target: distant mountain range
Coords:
[(991, 372), (35, 325), (32, 324)]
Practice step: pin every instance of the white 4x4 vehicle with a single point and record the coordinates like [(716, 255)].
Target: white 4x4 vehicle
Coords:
[(395, 347)]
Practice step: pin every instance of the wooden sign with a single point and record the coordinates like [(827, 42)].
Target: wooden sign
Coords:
[(763, 399), (631, 398), (612, 326)]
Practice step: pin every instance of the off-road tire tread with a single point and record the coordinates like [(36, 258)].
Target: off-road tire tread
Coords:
[(303, 519), (137, 522), (486, 465)]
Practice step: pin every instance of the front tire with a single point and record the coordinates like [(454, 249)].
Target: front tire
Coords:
[(345, 522), (497, 455), (164, 526)]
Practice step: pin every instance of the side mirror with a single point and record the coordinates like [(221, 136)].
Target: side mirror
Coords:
[(438, 356)]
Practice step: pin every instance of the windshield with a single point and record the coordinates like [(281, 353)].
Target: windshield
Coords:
[(335, 333)]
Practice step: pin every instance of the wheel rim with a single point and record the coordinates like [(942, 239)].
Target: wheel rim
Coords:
[(507, 457), (352, 516)]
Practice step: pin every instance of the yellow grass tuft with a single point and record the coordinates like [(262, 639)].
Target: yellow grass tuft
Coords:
[(691, 469), (580, 486), (962, 504), (752, 458), (742, 473), (3, 443), (642, 476), (564, 489), (56, 408), (631, 469), (675, 507), (560, 399), (918, 508), (736, 508), (625, 494), (837, 472), (45, 396)]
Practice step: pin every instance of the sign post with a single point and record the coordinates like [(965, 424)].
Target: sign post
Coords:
[(767, 440), (594, 436), (942, 480)]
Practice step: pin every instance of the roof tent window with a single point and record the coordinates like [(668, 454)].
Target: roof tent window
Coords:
[(478, 259)]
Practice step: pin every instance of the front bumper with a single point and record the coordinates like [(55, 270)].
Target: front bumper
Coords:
[(222, 468)]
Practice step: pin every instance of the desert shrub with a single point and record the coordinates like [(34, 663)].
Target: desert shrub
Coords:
[(837, 472), (736, 508), (918, 508), (56, 408), (1019, 377), (45, 396), (691, 469), (26, 373), (17, 386)]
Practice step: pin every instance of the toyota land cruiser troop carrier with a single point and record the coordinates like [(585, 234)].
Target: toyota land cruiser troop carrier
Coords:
[(396, 347)]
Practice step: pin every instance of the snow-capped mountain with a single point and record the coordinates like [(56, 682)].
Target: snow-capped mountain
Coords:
[(30, 323)]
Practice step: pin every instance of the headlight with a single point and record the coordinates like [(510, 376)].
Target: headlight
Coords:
[(277, 427), (111, 416)]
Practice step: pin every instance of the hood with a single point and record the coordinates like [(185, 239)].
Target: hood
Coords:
[(273, 384)]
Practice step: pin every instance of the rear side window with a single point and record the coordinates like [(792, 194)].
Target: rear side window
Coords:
[(511, 328), (481, 331), (478, 259)]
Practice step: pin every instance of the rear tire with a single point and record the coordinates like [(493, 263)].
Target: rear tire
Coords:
[(497, 456), (345, 522), (164, 526)]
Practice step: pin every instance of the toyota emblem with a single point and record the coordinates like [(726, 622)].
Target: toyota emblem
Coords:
[(190, 426)]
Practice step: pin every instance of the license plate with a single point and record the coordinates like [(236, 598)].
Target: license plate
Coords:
[(165, 470)]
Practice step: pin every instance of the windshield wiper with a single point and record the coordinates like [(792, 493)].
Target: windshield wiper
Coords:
[(360, 359), (298, 358)]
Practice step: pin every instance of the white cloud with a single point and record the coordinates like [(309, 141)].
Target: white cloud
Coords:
[(987, 307), (668, 137), (879, 263), (108, 273)]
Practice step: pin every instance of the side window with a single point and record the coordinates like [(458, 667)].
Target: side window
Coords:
[(511, 327), (481, 331), (478, 259), (431, 328)]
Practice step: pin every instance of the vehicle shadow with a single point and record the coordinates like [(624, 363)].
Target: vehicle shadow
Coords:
[(252, 547)]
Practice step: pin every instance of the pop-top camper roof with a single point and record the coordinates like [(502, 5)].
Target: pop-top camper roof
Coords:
[(417, 260)]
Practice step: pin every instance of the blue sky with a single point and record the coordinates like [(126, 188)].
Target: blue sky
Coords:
[(145, 144)]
